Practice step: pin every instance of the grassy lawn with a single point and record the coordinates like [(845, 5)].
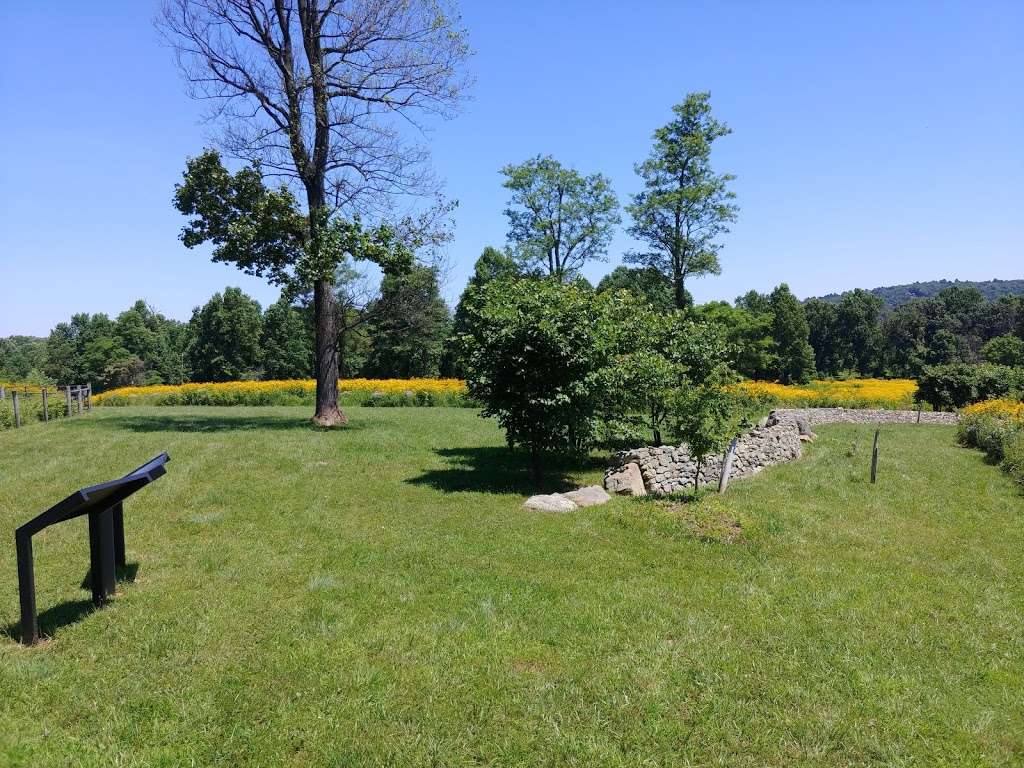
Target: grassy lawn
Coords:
[(376, 596)]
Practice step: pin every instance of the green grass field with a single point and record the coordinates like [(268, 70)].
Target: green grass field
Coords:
[(376, 596)]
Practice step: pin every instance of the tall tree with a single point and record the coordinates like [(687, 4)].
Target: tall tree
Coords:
[(287, 342), (794, 356), (685, 206), (310, 91), (646, 283), (492, 264), (226, 332), (558, 218), (408, 332)]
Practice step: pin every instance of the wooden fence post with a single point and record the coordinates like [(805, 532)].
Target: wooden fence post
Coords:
[(88, 397), (17, 407), (874, 457), (67, 401), (78, 396), (730, 454), (46, 406), (3, 393)]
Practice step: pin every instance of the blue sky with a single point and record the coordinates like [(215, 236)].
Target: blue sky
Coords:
[(874, 142)]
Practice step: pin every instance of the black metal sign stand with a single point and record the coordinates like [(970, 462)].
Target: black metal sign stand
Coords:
[(104, 505)]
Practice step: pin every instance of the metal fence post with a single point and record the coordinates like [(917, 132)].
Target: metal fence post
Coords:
[(874, 457), (17, 407)]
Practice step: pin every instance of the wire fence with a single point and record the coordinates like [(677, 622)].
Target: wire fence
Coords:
[(22, 404)]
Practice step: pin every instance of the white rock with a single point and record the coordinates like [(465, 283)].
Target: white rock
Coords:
[(554, 502), (626, 481), (588, 496)]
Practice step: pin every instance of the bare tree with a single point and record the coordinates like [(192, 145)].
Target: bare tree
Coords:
[(330, 96)]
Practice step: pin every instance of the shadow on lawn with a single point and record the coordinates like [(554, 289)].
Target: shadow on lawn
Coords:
[(70, 611), (199, 422), (499, 470)]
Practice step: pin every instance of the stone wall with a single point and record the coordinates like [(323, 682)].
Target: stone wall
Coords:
[(862, 416), (667, 469)]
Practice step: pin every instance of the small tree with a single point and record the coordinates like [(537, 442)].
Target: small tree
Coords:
[(706, 419), (534, 352), (558, 219), (685, 206)]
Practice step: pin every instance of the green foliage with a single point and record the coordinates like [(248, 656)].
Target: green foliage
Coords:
[(751, 349), (955, 385), (685, 206), (645, 283), (286, 344), (492, 264), (1004, 350), (226, 332), (558, 218), (535, 351), (410, 322), (20, 355), (790, 333)]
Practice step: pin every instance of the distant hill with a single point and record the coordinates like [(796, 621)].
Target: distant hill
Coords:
[(894, 295)]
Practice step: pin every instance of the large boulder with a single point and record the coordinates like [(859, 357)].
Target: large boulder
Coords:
[(625, 481), (587, 497), (553, 502)]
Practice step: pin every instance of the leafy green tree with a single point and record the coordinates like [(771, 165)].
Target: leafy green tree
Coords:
[(685, 206), (858, 331), (790, 332), (823, 324), (492, 264), (287, 342), (409, 329), (80, 351), (706, 418), (646, 283), (158, 343), (535, 350), (1004, 350), (558, 218), (312, 93), (227, 332), (20, 355), (748, 335)]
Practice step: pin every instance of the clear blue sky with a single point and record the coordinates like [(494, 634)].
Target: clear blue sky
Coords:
[(875, 142)]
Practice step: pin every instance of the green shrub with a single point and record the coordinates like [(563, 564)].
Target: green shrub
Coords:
[(945, 387), (1013, 455)]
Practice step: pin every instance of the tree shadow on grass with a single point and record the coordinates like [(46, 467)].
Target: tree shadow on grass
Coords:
[(499, 470), (199, 422)]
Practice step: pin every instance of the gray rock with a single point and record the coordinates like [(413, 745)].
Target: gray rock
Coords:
[(554, 502), (626, 481), (589, 496)]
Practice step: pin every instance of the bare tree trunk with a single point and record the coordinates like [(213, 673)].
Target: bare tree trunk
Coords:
[(328, 414)]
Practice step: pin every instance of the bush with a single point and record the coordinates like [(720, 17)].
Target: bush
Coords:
[(997, 428), (956, 385)]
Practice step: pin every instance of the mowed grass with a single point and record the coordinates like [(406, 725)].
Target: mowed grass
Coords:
[(377, 596)]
